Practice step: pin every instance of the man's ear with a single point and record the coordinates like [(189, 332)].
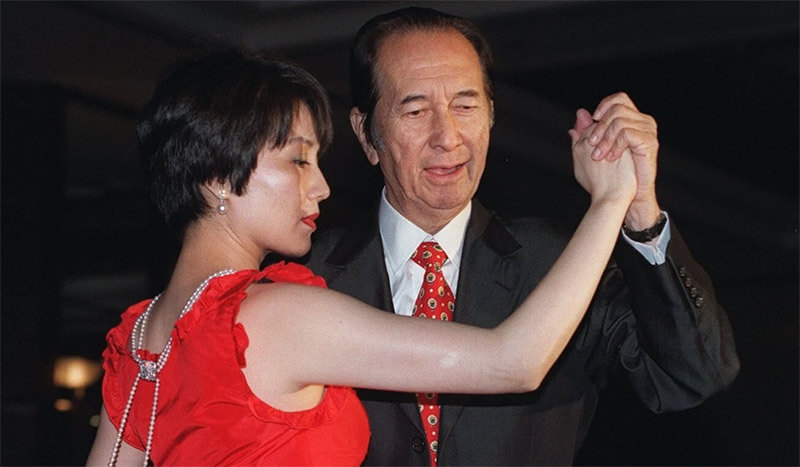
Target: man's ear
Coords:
[(357, 123)]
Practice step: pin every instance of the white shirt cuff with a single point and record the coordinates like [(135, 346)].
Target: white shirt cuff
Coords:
[(655, 250)]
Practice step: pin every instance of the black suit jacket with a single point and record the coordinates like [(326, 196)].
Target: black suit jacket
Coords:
[(660, 324)]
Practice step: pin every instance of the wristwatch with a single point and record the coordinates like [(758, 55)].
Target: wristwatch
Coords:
[(649, 233)]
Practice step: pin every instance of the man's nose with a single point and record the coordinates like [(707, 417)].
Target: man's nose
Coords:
[(445, 132)]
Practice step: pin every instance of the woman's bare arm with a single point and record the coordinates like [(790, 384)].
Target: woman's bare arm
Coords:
[(104, 445), (309, 335)]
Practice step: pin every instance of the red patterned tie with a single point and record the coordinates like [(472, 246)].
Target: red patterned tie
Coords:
[(436, 301)]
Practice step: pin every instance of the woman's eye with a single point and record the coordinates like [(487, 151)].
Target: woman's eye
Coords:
[(302, 162)]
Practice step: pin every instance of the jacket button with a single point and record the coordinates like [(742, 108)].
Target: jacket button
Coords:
[(682, 271), (698, 302), (417, 444), (687, 282), (693, 292)]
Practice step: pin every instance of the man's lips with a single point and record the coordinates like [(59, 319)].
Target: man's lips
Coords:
[(309, 220), (444, 171)]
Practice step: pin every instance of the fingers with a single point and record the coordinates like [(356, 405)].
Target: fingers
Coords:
[(619, 133), (580, 142), (625, 133), (621, 125), (573, 135), (641, 143), (583, 120), (620, 98)]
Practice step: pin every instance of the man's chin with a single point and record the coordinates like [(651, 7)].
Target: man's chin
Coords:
[(446, 208), (449, 200)]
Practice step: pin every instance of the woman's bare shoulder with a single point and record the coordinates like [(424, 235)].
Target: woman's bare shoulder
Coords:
[(269, 299)]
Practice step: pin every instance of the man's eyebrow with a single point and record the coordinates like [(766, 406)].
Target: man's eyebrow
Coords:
[(412, 98), (468, 93)]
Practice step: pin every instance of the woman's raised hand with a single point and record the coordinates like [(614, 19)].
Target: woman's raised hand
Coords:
[(604, 179)]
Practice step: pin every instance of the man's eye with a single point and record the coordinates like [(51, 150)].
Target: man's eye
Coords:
[(302, 162), (416, 112)]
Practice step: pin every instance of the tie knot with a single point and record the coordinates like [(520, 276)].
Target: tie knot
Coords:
[(430, 256)]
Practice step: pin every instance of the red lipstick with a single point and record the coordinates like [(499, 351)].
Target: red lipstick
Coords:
[(309, 220)]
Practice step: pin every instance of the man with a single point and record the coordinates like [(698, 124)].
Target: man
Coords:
[(423, 111)]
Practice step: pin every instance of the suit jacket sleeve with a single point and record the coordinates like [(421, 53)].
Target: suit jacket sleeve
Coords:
[(671, 336)]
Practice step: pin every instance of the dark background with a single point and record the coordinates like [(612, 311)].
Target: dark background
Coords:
[(80, 241)]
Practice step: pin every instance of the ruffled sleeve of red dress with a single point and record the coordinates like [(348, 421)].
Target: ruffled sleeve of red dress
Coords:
[(291, 272), (116, 356)]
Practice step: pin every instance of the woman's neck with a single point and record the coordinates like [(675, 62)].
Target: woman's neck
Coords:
[(206, 249)]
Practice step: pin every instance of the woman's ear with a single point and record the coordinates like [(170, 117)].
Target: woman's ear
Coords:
[(357, 123)]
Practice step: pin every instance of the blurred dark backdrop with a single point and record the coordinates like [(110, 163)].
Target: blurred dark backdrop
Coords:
[(80, 241)]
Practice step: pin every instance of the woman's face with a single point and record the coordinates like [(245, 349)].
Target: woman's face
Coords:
[(276, 213)]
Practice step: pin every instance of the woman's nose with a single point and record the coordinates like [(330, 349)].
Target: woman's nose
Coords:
[(319, 187)]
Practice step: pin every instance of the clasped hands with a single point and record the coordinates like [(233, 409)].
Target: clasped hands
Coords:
[(614, 147)]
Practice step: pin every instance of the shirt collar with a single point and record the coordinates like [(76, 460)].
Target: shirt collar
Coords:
[(401, 237)]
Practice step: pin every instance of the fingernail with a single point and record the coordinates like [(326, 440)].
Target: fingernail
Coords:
[(594, 139), (596, 153)]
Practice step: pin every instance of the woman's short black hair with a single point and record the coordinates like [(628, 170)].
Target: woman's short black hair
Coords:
[(364, 90), (209, 119)]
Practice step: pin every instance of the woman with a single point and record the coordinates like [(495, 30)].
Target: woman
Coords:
[(257, 366)]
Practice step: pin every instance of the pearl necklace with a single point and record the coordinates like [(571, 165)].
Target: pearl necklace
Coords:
[(148, 370)]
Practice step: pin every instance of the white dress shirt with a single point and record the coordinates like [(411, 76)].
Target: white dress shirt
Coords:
[(401, 238)]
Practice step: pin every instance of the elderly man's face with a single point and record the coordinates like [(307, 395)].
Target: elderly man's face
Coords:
[(432, 121)]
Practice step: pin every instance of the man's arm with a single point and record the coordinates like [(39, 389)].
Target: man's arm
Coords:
[(661, 317), (672, 336)]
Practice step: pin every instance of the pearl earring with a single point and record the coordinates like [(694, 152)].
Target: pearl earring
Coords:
[(222, 208)]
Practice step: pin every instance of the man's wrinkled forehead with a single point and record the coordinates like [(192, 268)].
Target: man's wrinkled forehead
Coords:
[(414, 47)]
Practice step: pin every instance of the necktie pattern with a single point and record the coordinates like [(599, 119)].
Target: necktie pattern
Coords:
[(435, 301)]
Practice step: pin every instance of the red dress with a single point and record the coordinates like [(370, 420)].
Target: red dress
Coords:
[(207, 414)]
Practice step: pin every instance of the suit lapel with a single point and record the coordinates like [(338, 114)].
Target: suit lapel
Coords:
[(357, 260), (486, 276), (486, 273)]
